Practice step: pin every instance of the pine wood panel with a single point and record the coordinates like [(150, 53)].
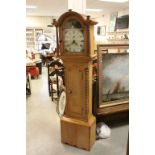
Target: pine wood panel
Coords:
[(77, 90), (78, 133)]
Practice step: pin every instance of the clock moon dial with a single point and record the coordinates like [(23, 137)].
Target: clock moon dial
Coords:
[(73, 40)]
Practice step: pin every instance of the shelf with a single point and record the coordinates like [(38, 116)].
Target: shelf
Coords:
[(31, 35), (116, 32), (118, 36), (118, 39)]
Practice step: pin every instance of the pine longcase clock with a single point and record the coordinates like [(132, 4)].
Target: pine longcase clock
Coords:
[(75, 46), (73, 36)]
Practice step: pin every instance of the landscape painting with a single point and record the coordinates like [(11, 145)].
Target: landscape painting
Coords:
[(115, 76)]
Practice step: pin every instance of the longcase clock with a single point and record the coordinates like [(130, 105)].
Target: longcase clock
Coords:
[(75, 46)]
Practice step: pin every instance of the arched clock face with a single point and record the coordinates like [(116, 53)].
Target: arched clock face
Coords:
[(73, 36), (73, 40)]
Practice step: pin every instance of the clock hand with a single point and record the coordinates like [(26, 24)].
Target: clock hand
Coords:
[(74, 42)]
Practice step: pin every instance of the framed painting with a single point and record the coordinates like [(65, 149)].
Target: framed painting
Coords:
[(113, 78), (101, 30)]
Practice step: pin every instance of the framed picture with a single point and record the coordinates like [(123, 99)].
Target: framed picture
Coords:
[(101, 30), (111, 93), (115, 77)]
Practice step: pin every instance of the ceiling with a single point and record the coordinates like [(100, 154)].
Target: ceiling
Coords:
[(57, 7)]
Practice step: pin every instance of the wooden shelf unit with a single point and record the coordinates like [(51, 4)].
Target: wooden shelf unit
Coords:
[(118, 36), (31, 36)]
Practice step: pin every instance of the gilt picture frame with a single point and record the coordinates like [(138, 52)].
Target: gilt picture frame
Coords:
[(113, 92)]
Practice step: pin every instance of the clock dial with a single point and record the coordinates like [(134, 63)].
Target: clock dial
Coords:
[(73, 36), (74, 40)]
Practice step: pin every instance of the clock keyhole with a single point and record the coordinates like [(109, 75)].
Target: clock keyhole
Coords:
[(70, 92)]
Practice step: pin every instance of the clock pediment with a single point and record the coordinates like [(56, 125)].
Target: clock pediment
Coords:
[(83, 18)]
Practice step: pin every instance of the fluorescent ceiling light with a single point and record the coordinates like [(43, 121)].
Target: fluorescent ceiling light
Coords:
[(115, 1), (94, 10), (31, 6)]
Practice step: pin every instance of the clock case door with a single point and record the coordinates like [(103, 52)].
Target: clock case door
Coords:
[(78, 90)]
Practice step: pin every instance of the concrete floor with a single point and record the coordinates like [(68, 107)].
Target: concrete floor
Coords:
[(43, 127)]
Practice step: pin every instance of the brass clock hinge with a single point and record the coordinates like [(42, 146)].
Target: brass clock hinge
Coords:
[(70, 91)]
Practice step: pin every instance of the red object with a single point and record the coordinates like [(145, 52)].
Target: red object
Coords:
[(34, 71), (26, 73)]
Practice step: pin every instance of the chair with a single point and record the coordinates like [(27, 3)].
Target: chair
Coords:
[(33, 70), (28, 86), (55, 78)]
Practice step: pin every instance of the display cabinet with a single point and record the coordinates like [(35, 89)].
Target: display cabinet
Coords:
[(31, 36), (118, 36)]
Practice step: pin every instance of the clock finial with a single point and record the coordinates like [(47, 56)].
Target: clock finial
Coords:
[(88, 17), (54, 21)]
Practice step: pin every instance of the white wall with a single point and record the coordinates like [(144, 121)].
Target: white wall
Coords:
[(41, 22), (38, 21), (104, 20), (123, 12)]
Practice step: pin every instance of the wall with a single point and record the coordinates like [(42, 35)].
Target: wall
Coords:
[(104, 20), (38, 21), (42, 22), (123, 12)]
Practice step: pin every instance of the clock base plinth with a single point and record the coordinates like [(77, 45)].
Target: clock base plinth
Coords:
[(78, 133)]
